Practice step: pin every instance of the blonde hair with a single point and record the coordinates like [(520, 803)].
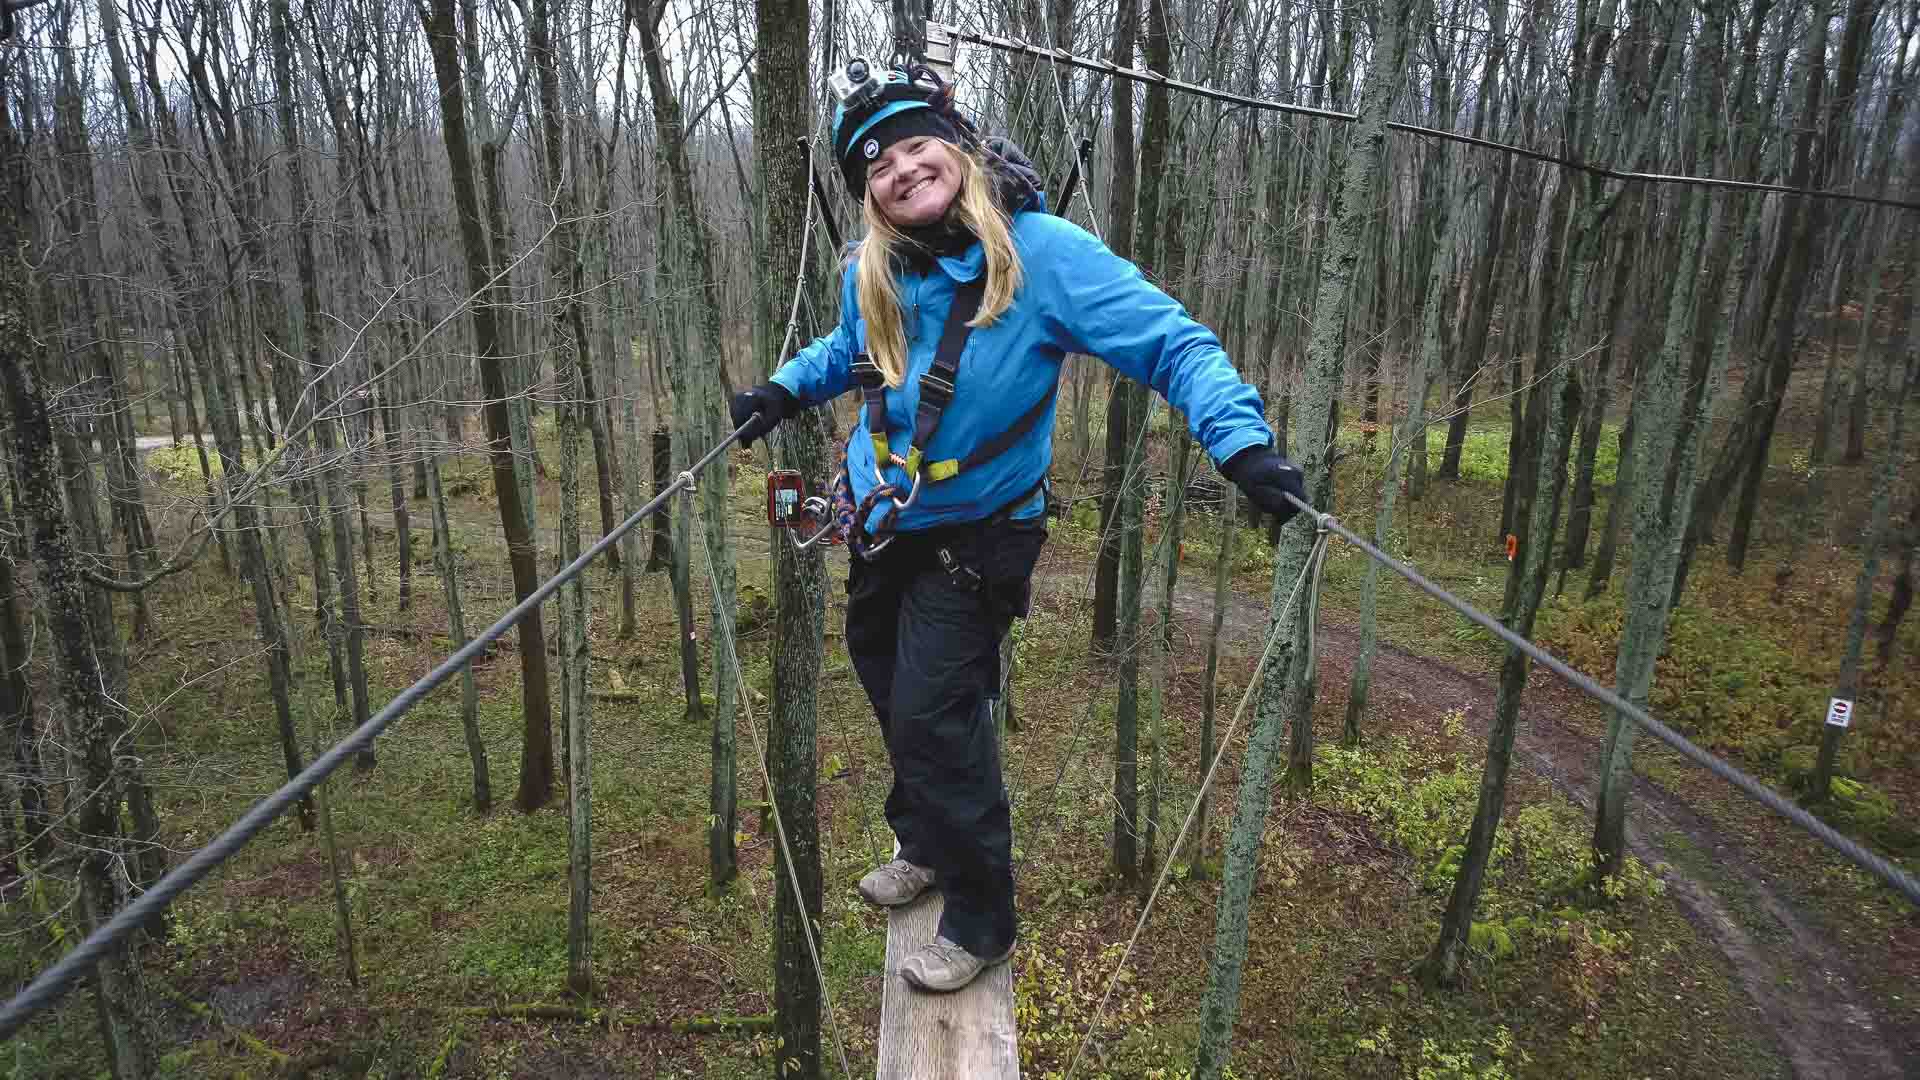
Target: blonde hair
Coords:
[(879, 292)]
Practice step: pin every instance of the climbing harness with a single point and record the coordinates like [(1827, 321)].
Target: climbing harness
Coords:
[(789, 507)]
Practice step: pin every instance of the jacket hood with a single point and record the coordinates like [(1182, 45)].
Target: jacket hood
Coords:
[(1016, 182)]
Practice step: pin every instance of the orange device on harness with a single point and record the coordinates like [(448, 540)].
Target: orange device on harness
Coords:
[(786, 499)]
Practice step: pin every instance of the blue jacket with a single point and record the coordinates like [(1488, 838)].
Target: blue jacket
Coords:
[(1076, 296)]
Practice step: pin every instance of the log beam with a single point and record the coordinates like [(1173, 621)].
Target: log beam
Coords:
[(969, 1033)]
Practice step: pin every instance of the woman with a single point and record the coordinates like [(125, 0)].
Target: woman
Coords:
[(955, 224)]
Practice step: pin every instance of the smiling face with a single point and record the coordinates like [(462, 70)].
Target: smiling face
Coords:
[(914, 180)]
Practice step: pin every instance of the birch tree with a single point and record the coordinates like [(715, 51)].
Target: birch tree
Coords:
[(1283, 689)]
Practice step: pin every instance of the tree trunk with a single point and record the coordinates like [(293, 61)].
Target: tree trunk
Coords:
[(394, 450), (92, 724), (1599, 397), (1284, 689), (536, 757), (1848, 685), (1664, 440), (782, 107), (1170, 543), (1411, 438), (103, 388), (457, 634), (1465, 360), (568, 336), (1129, 518), (659, 551), (702, 406), (347, 626), (577, 708), (31, 840), (1902, 599), (1222, 596), (1564, 293), (1744, 459), (1120, 421), (1354, 202), (1624, 478)]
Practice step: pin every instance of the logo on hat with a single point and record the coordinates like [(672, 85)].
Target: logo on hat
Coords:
[(871, 149)]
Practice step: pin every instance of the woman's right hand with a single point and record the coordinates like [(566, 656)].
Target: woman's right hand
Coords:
[(770, 401)]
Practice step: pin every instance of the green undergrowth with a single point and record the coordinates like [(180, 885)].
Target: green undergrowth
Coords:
[(458, 914)]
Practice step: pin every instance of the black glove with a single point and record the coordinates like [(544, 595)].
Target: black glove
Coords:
[(772, 401), (1268, 479)]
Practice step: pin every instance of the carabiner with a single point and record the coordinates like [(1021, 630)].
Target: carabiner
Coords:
[(911, 495), (818, 509)]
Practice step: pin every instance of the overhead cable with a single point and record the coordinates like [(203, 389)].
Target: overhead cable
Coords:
[(1061, 56)]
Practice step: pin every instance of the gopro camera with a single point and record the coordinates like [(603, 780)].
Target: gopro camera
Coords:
[(856, 85)]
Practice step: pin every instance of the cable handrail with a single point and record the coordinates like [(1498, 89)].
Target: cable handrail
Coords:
[(1889, 874), (51, 984)]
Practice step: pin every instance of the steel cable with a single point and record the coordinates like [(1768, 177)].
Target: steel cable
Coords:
[(1887, 872), (50, 984)]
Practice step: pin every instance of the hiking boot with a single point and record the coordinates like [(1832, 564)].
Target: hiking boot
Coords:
[(942, 967), (896, 883)]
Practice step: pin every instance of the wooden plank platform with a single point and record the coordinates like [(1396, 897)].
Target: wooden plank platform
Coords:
[(965, 1034)]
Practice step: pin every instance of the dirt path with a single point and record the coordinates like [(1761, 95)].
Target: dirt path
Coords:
[(1804, 988)]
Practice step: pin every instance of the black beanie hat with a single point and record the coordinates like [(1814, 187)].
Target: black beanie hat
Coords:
[(907, 124)]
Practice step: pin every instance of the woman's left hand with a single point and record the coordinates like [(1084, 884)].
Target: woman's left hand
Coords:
[(1268, 479)]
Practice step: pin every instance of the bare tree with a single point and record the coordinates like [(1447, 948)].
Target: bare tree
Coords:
[(705, 383), (536, 752)]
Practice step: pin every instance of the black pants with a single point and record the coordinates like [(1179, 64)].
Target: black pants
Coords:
[(924, 623)]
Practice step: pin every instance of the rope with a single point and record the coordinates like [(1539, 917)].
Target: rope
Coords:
[(52, 983), (1316, 559), (1893, 876), (806, 248), (723, 621)]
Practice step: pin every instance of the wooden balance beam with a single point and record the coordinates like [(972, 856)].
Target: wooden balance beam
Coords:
[(966, 1034)]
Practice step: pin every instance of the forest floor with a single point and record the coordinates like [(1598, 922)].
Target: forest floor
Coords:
[(1735, 946)]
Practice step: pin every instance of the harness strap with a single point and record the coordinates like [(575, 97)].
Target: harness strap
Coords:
[(873, 387), (938, 382), (1005, 513), (999, 444)]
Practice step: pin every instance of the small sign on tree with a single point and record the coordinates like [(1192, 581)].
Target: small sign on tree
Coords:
[(1839, 712)]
